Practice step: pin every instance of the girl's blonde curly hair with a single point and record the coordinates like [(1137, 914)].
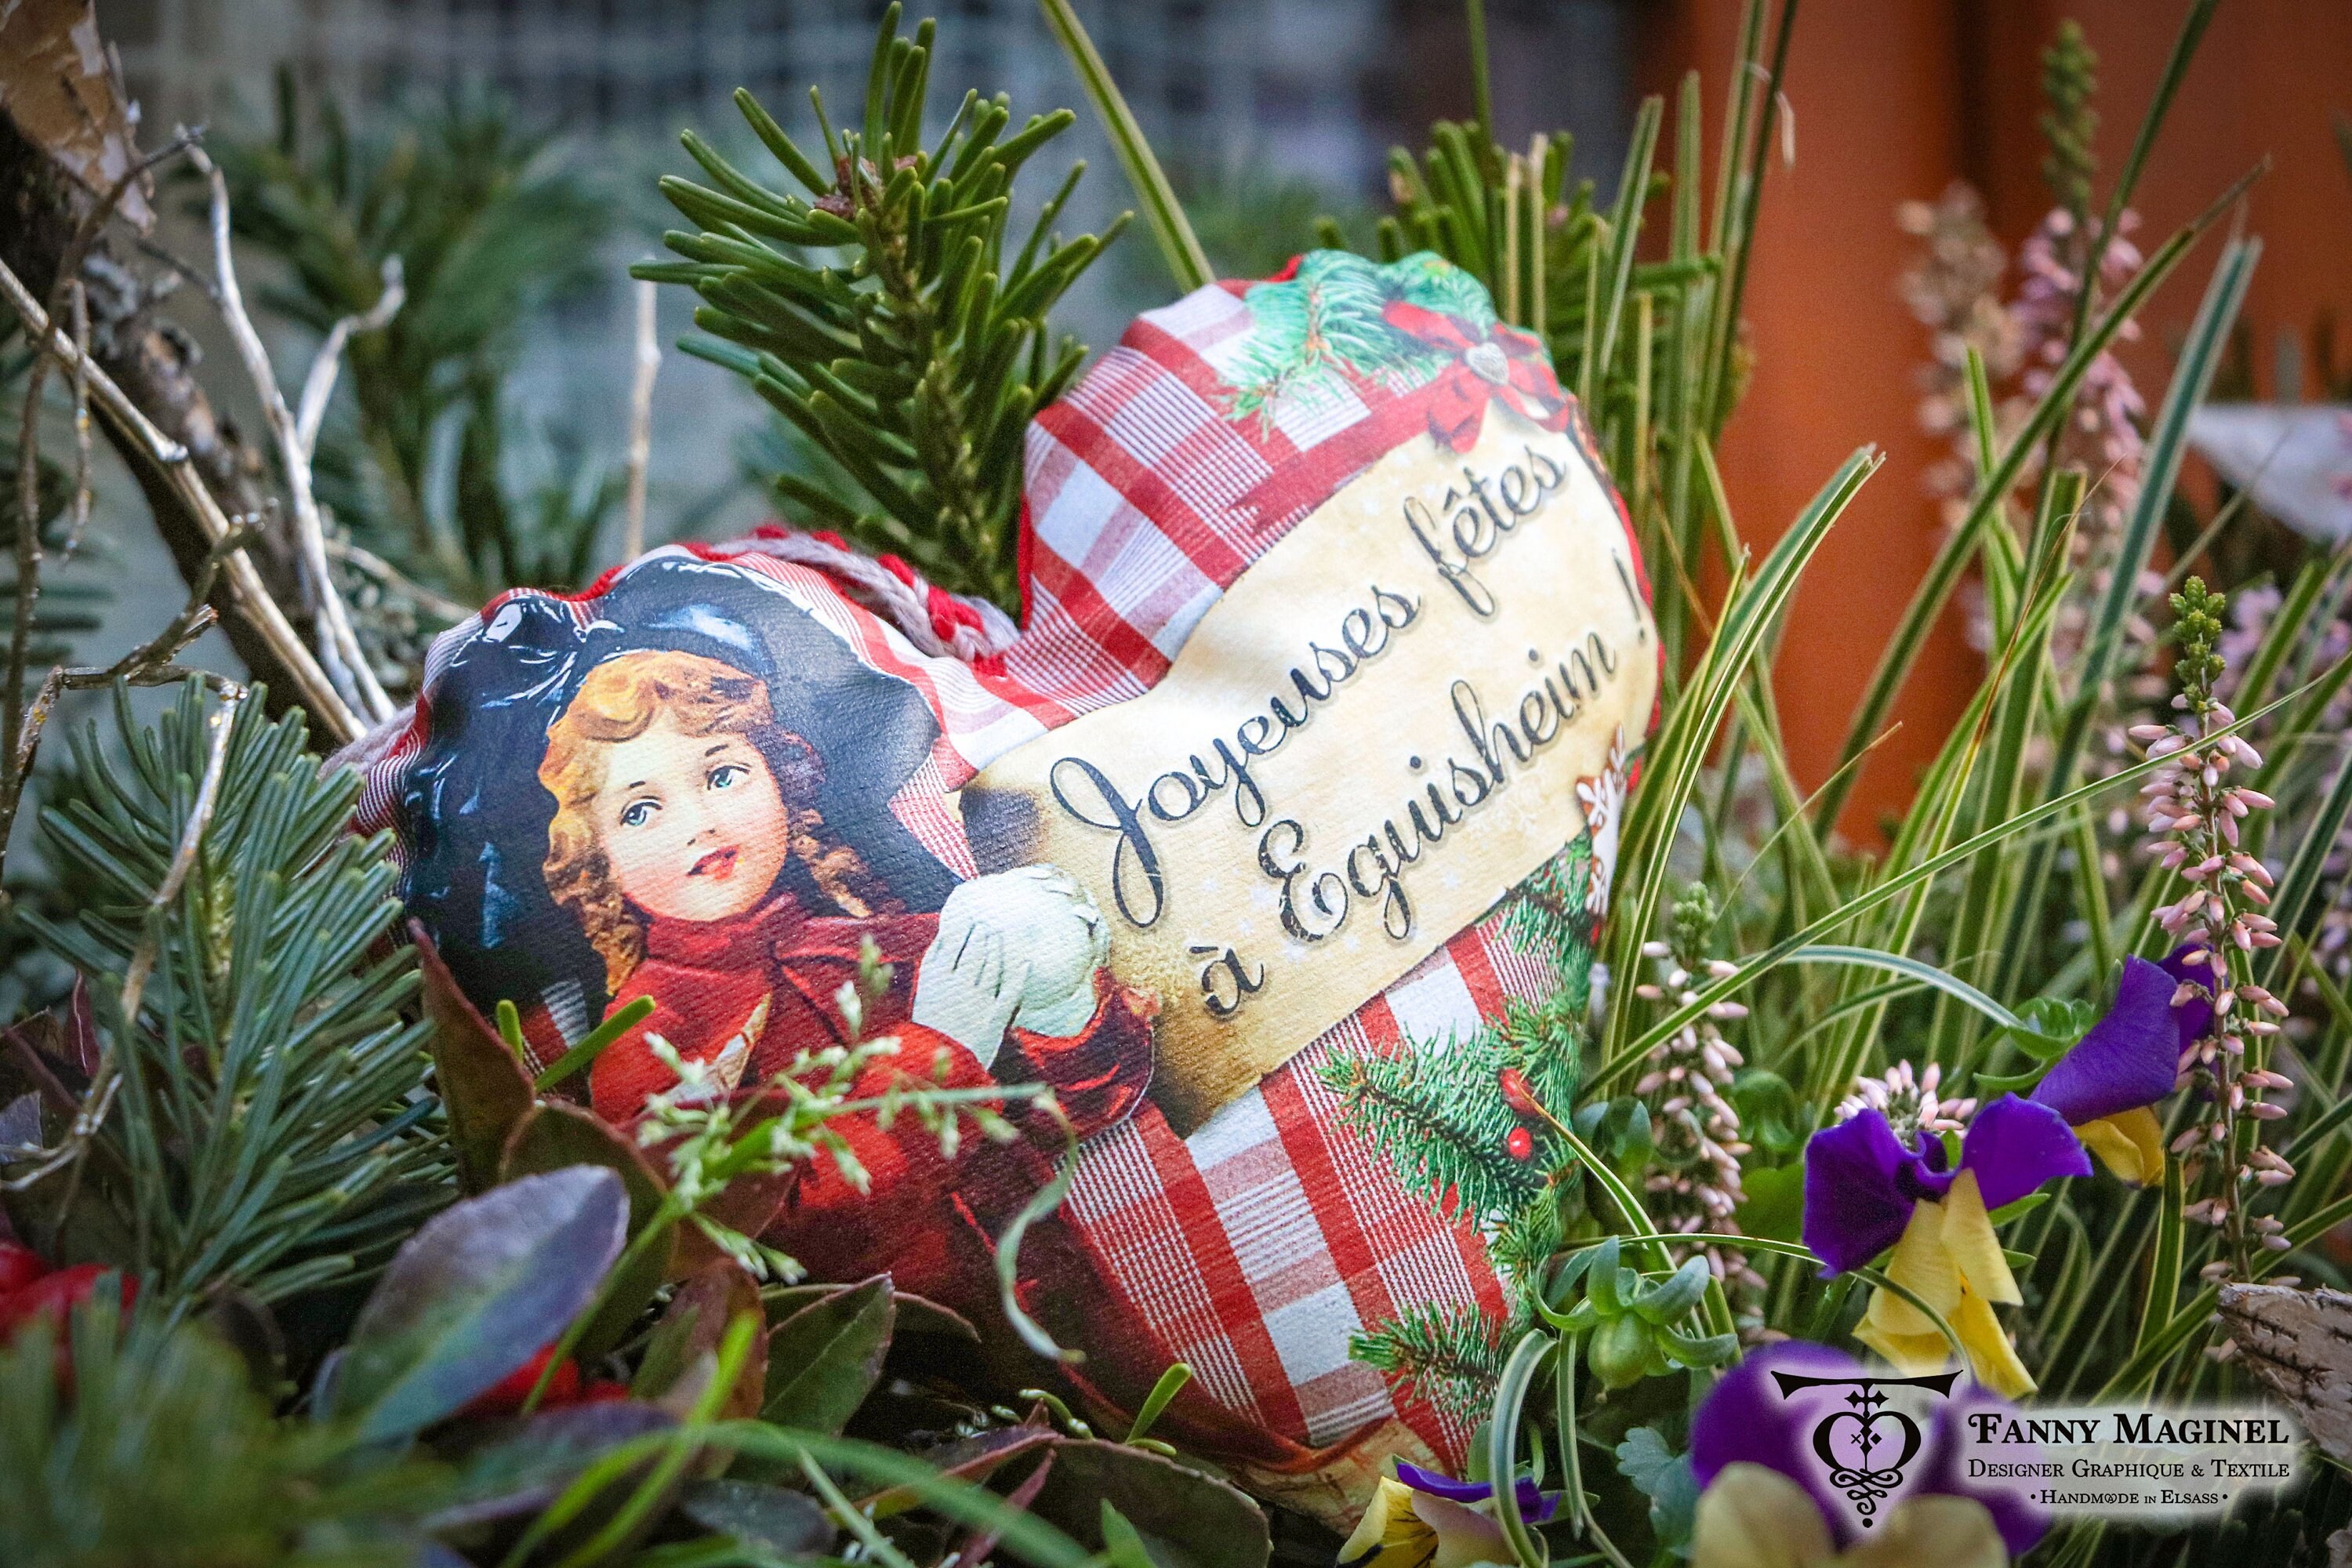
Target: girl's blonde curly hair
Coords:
[(619, 701)]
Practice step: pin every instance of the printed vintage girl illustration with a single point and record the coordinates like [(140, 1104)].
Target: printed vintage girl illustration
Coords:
[(688, 841), (697, 848)]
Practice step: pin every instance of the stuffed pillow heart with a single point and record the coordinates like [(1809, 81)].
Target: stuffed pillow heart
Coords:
[(1273, 842)]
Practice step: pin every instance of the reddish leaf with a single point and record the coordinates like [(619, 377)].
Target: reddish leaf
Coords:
[(484, 1088), (916, 1314), (679, 1360), (554, 1135), (972, 1458)]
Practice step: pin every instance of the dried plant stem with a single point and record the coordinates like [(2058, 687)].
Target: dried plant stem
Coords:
[(150, 663), (641, 423), (253, 600), (67, 288), (106, 1080), (318, 385), (184, 855), (338, 646), (80, 298), (376, 566)]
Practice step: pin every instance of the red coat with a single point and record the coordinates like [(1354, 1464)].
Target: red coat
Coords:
[(927, 1220)]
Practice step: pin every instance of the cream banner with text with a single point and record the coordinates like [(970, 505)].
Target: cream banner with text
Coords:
[(1362, 747)]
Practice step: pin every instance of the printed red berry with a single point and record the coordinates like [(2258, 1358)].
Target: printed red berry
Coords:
[(505, 1396), (19, 1267), (1521, 1144), (54, 1295), (1517, 1095)]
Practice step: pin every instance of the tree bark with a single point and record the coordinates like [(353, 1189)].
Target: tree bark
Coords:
[(152, 360)]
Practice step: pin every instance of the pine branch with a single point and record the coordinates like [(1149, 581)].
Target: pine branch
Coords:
[(268, 1131), (914, 358)]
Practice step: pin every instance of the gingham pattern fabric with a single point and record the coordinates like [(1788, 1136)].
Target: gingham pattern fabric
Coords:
[(1254, 1247)]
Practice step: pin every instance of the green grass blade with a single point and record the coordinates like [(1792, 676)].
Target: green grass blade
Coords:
[(1675, 760), (2164, 1271), (2300, 888), (1177, 245), (1928, 975), (1625, 225), (1620, 1063), (1511, 1392)]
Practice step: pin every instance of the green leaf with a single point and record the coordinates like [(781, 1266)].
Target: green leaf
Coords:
[(1925, 973), (583, 1056), (1951, 559), (1528, 1358), (1180, 1517), (1163, 1394), (515, 1475), (2019, 1209), (474, 1295), (826, 1358), (1776, 1203), (1024, 1534), (1663, 1477), (1884, 892), (1122, 1544), (768, 1518), (2047, 1028), (1769, 1115), (1674, 760), (1665, 1301)]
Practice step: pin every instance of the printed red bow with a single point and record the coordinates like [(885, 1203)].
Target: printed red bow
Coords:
[(1507, 363)]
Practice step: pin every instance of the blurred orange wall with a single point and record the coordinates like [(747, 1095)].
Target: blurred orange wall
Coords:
[(1893, 99)]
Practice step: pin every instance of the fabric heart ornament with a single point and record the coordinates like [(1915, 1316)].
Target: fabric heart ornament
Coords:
[(1304, 767)]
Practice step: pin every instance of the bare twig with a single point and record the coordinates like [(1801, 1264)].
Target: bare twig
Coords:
[(641, 424), (67, 285), (318, 385), (368, 561), (339, 645), (150, 663), (253, 602), (80, 513), (200, 814)]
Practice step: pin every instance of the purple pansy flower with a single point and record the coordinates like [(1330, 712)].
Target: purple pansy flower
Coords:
[(1418, 1519), (1861, 1184), (1749, 1420), (1864, 1192), (2130, 1059), (1535, 1505)]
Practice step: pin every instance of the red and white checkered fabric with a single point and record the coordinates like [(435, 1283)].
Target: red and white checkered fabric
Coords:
[(1254, 1247)]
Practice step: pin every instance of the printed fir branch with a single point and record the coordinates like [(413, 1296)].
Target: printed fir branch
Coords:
[(880, 315), (267, 1129), (1465, 1122), (1447, 1354)]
